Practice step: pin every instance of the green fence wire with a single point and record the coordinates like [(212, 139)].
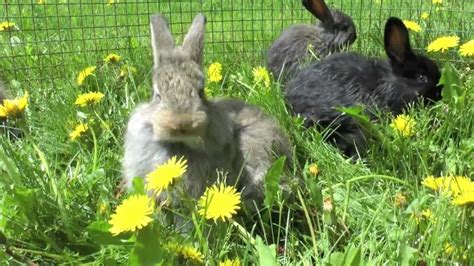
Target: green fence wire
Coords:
[(49, 35)]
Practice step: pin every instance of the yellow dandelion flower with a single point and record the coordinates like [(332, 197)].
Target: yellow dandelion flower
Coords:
[(188, 252), (214, 72), (416, 217), (111, 2), (219, 201), (112, 58), (78, 131), (164, 175), (134, 213), (14, 108), (465, 196), (103, 208), (404, 124), (314, 169), (86, 72), (432, 182), (40, 2), (448, 248), (452, 185), (467, 49), (428, 214), (423, 215), (412, 25), (459, 184), (89, 98), (443, 43), (6, 25), (425, 15), (228, 262), (126, 70), (260, 75), (400, 199), (437, 2)]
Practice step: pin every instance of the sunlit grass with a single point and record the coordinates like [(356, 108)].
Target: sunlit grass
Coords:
[(57, 194)]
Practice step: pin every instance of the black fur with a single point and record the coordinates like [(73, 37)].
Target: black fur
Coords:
[(347, 79)]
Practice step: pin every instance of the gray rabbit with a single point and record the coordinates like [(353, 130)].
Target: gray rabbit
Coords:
[(335, 31), (227, 135)]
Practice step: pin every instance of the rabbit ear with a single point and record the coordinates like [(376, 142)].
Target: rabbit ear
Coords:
[(194, 41), (161, 38), (397, 41), (320, 10)]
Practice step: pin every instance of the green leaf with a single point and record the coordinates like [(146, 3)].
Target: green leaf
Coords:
[(266, 254), (356, 111), (272, 181), (99, 232), (138, 186), (148, 249), (352, 257), (316, 194), (450, 80), (407, 254)]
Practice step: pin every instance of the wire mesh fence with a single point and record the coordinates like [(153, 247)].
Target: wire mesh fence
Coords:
[(40, 39)]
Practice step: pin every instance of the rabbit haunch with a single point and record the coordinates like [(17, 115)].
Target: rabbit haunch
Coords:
[(347, 79), (214, 136)]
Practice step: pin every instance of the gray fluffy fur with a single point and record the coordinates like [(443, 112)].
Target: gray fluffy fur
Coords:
[(335, 31), (227, 135)]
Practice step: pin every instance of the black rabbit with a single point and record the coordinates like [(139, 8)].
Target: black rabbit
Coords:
[(335, 31), (348, 79)]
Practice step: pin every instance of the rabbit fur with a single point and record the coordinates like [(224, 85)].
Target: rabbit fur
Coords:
[(335, 31), (347, 79), (213, 135)]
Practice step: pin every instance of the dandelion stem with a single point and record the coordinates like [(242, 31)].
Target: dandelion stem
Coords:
[(40, 253), (94, 161), (310, 224)]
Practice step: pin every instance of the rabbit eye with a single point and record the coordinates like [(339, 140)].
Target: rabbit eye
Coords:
[(421, 78)]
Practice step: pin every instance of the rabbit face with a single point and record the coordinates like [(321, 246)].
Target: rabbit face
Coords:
[(333, 21), (419, 73), (343, 28), (178, 83), (422, 76), (181, 109)]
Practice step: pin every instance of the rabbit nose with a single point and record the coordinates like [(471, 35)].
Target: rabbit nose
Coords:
[(181, 123)]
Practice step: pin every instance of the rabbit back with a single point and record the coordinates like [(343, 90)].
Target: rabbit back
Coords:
[(292, 49)]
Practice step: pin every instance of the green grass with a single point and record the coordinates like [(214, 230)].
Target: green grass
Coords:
[(57, 195)]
